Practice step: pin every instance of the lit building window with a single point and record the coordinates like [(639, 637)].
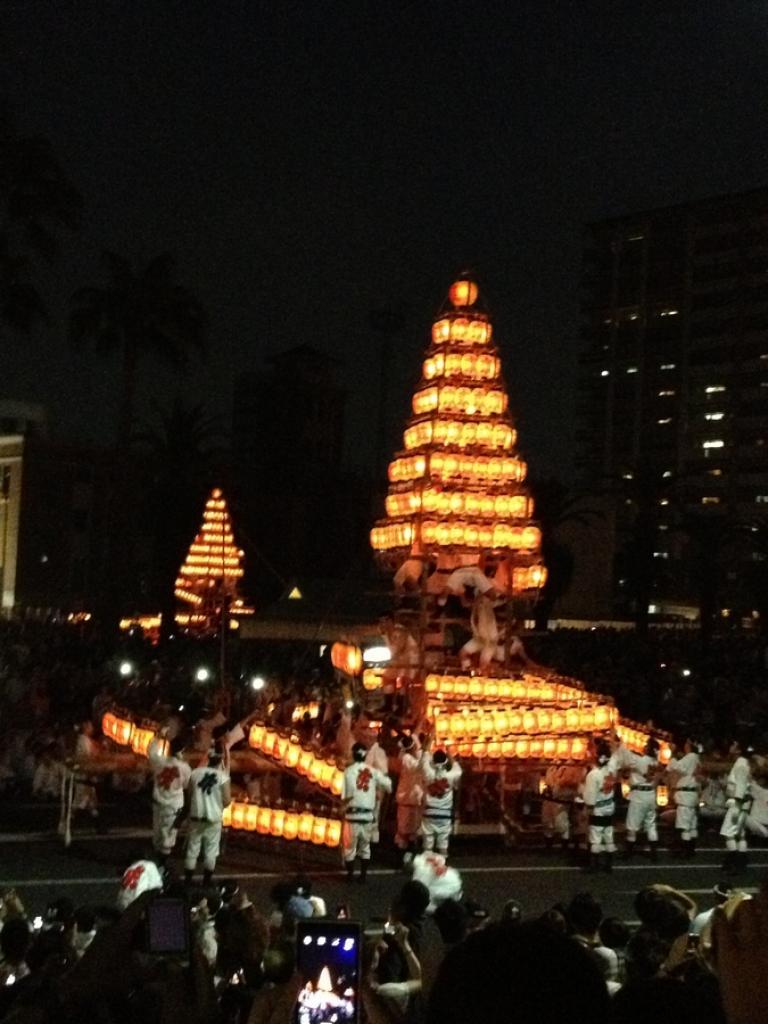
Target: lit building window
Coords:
[(714, 389), (627, 476), (761, 499), (663, 501), (661, 554), (631, 369), (666, 419), (668, 366), (713, 444), (667, 474), (713, 415), (710, 499), (633, 316), (714, 472), (669, 312), (764, 356), (635, 238), (663, 526), (605, 373), (666, 393), (608, 322)]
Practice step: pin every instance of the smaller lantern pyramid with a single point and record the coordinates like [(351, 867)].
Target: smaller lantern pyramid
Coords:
[(211, 573)]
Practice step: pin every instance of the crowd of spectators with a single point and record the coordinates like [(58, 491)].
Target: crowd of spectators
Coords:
[(459, 963)]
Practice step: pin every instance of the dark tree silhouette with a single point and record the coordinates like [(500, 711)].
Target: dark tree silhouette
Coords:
[(137, 314), (36, 202)]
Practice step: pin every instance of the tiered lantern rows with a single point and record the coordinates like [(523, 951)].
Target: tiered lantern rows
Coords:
[(213, 559), (456, 489)]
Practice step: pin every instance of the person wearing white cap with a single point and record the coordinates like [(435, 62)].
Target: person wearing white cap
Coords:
[(441, 780), (685, 770), (208, 793), (170, 776), (358, 795)]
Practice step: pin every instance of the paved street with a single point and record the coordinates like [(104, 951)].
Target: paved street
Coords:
[(37, 864)]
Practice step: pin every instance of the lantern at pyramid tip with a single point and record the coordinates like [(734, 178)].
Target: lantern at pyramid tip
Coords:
[(456, 489)]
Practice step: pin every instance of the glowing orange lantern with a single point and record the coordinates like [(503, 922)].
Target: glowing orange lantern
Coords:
[(306, 821), (347, 658), (256, 735), (264, 820), (277, 822), (251, 817), (319, 827), (306, 759), (463, 293), (238, 815), (333, 833), (292, 755), (291, 825)]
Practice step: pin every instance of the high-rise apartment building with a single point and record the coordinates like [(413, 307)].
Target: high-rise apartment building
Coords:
[(673, 386)]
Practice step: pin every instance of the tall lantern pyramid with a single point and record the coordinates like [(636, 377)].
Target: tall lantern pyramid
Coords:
[(210, 576), (460, 535), (456, 490)]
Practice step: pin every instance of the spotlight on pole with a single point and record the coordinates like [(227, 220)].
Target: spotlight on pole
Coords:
[(258, 683), (125, 669), (203, 674)]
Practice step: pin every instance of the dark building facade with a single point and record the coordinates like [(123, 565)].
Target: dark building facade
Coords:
[(673, 395)]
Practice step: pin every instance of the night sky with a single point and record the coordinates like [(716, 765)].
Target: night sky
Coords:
[(311, 162)]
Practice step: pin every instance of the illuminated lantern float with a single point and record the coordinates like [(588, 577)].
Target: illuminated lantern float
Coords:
[(461, 538), (210, 577)]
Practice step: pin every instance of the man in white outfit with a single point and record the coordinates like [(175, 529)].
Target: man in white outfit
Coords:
[(685, 772), (170, 777), (441, 780), (643, 780), (208, 793), (409, 797), (600, 802), (376, 758), (737, 808), (358, 795)]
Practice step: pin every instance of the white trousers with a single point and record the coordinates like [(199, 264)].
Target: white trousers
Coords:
[(203, 837), (356, 840), (687, 822), (641, 817), (436, 833), (164, 831), (733, 828), (601, 839)]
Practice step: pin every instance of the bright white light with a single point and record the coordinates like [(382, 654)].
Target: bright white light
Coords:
[(605, 373), (202, 675), (686, 672), (373, 655), (258, 683), (37, 923), (349, 944), (321, 940), (307, 940), (126, 668), (336, 942), (349, 704)]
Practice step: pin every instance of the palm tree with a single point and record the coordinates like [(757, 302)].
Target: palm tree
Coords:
[(138, 314), (556, 506), (36, 202), (185, 451)]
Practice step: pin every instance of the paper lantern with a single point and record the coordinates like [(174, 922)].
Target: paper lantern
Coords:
[(347, 658), (292, 755), (306, 821), (333, 833), (291, 825), (319, 827), (251, 817), (238, 815), (277, 824), (463, 293), (662, 796), (306, 759), (264, 820), (256, 735)]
